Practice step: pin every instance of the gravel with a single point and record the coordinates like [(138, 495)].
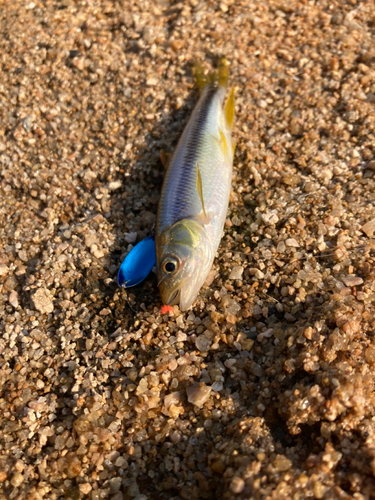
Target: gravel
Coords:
[(265, 389)]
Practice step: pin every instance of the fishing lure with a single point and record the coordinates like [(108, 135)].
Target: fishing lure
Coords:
[(195, 194), (138, 263)]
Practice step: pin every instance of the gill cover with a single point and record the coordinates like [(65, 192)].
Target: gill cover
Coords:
[(183, 261)]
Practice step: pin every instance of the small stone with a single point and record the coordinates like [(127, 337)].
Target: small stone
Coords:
[(17, 479), (230, 305), (172, 399), (3, 269), (115, 484), (257, 273), (231, 318), (290, 179), (142, 387), (112, 186), (369, 228), (236, 221), (19, 465), (79, 63), (281, 247), (121, 462), (152, 82), (282, 464), (256, 369), (13, 299), (352, 281), (59, 443), (270, 218), (236, 273), (42, 300), (105, 312), (90, 240), (319, 489), (177, 45), (237, 484), (198, 394), (85, 488), (370, 355), (131, 237), (180, 336), (217, 386), (203, 343), (3, 476), (291, 242)]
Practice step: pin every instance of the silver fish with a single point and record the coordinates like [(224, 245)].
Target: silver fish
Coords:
[(195, 194)]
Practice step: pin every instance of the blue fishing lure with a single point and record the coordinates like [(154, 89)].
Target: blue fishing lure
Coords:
[(138, 263)]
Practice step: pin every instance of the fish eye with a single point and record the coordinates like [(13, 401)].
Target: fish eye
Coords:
[(170, 265)]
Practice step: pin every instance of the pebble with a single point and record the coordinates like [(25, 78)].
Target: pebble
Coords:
[(292, 242), (236, 273), (282, 463), (198, 394), (237, 484), (85, 488), (17, 479), (270, 218), (13, 299), (203, 343), (3, 269), (43, 301), (369, 228), (131, 237), (352, 281)]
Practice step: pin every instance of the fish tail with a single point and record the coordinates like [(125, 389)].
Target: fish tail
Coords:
[(223, 73), (219, 76), (201, 77)]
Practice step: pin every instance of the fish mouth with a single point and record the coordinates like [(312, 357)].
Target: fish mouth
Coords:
[(174, 298)]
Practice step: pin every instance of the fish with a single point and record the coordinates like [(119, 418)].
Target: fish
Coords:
[(195, 193)]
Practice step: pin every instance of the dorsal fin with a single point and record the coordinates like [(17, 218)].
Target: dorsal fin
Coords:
[(229, 109)]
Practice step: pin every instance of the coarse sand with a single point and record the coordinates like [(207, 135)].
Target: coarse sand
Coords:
[(265, 389)]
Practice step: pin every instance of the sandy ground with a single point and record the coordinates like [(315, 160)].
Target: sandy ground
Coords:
[(265, 389)]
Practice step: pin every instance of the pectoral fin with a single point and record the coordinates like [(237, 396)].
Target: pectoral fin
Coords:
[(200, 191), (229, 109)]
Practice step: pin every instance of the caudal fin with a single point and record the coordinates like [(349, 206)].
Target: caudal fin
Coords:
[(219, 76)]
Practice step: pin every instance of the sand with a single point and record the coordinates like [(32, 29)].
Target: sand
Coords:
[(265, 389)]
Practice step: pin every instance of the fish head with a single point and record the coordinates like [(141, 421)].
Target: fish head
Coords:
[(184, 258)]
